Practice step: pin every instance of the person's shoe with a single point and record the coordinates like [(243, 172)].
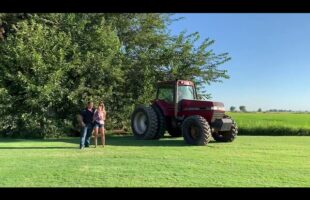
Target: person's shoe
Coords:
[(82, 148)]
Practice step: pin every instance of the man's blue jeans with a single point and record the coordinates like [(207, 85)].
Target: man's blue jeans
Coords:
[(85, 135)]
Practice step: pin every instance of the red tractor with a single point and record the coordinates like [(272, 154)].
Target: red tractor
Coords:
[(178, 110)]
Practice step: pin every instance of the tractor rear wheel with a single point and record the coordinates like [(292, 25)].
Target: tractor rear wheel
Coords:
[(161, 122), (196, 130), (144, 123), (226, 136)]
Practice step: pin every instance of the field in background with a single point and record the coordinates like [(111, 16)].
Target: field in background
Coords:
[(272, 123), (260, 161)]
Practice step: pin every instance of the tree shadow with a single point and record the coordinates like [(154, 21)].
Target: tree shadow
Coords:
[(46, 140), (36, 142), (113, 140), (38, 147)]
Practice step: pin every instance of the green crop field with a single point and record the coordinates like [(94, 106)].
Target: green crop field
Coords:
[(250, 161), (272, 123)]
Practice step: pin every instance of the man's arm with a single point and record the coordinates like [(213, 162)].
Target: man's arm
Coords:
[(94, 116), (80, 120)]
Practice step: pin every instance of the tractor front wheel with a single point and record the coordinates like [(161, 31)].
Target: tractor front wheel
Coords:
[(226, 136), (144, 123), (196, 130)]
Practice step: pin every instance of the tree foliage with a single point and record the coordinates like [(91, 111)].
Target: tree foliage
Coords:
[(242, 108), (232, 108), (51, 64)]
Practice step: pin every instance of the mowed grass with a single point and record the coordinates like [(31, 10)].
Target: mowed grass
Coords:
[(272, 123), (250, 161)]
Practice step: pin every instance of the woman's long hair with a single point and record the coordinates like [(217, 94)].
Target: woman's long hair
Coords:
[(102, 108), (101, 105)]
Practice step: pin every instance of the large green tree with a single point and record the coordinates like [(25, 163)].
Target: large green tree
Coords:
[(49, 69)]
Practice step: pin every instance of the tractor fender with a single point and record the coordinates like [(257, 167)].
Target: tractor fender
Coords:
[(166, 108)]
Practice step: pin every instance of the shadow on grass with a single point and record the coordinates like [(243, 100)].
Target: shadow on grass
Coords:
[(46, 140), (36, 142), (163, 142), (166, 141), (112, 140), (131, 141), (38, 147)]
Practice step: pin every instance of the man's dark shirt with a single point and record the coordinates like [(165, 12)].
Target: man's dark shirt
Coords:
[(87, 115)]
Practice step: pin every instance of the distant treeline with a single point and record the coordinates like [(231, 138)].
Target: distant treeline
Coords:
[(293, 111), (275, 110), (243, 109)]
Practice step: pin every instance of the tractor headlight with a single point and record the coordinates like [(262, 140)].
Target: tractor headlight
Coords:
[(219, 108)]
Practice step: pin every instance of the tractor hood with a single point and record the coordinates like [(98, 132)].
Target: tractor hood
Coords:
[(200, 105)]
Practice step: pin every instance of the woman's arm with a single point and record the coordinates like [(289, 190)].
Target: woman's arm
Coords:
[(104, 114)]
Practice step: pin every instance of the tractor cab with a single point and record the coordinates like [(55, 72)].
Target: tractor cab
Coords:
[(175, 91), (178, 99), (171, 93)]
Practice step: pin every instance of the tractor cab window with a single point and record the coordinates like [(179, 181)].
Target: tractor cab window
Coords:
[(166, 93), (186, 92)]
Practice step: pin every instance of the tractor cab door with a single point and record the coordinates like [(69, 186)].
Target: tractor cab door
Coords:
[(165, 98), (166, 93)]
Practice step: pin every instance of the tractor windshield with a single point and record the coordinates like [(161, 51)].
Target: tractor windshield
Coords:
[(186, 92)]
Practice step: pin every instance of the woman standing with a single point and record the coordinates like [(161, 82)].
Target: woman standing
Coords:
[(99, 118)]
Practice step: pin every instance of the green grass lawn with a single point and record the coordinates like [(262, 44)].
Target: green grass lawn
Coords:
[(250, 161), (272, 123)]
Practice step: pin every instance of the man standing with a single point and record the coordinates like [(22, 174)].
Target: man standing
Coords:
[(86, 121)]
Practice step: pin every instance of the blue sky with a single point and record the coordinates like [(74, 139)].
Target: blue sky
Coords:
[(270, 66)]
